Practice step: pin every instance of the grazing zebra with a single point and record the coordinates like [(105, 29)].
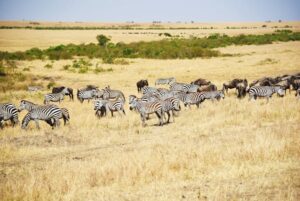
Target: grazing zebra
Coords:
[(187, 88), (46, 113), (265, 91), (9, 111), (169, 80), (145, 98), (147, 108), (111, 106), (54, 98), (149, 90), (193, 99), (29, 106), (59, 89), (213, 95), (83, 94), (113, 94), (170, 104), (34, 88)]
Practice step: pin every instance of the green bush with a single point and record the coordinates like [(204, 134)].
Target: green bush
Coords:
[(49, 66), (50, 85)]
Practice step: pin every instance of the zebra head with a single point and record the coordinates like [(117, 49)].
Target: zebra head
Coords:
[(25, 105), (280, 92), (221, 94), (98, 104), (65, 91), (133, 104)]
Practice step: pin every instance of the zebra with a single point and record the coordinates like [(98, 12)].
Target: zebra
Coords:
[(187, 88), (46, 112), (147, 108), (34, 88), (111, 106), (29, 106), (170, 104), (149, 90), (83, 94), (58, 97), (9, 111), (113, 94), (213, 95), (265, 91), (169, 80), (193, 99), (69, 91)]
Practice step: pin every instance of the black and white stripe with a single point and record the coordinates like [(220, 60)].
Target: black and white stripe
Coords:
[(84, 94), (187, 88), (213, 95), (265, 91), (193, 99), (113, 94), (169, 80), (112, 106), (8, 111), (47, 113), (149, 90), (170, 105), (53, 98), (147, 108), (29, 106)]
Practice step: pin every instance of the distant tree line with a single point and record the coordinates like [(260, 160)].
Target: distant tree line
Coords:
[(168, 48)]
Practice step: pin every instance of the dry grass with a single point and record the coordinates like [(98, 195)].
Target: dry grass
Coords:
[(20, 40), (229, 150)]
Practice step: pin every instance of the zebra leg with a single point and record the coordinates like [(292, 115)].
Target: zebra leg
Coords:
[(173, 113), (37, 123), (143, 118), (168, 113), (123, 111)]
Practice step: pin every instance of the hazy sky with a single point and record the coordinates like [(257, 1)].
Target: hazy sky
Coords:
[(150, 10)]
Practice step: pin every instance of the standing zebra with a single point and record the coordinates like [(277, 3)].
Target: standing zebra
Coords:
[(193, 99), (147, 108), (29, 106), (265, 91), (149, 90), (213, 95), (111, 106), (56, 97), (169, 80), (187, 88), (170, 105), (113, 94), (47, 113), (83, 94), (8, 111)]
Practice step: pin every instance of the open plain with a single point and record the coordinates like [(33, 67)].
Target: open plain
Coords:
[(226, 150)]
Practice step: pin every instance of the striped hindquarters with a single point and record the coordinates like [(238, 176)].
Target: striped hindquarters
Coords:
[(9, 112)]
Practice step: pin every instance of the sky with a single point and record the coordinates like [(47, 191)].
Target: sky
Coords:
[(150, 10)]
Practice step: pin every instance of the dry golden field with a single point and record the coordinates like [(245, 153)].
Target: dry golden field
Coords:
[(24, 39), (228, 150)]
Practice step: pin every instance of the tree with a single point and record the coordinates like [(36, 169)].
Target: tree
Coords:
[(102, 40)]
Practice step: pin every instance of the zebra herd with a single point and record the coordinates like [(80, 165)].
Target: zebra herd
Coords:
[(159, 101)]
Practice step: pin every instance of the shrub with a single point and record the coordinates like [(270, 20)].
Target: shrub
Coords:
[(49, 66), (102, 40), (66, 67), (50, 84)]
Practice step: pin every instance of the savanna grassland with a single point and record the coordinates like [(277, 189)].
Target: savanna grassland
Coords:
[(227, 150)]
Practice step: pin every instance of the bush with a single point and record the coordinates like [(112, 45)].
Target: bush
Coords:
[(49, 66), (102, 40), (50, 85)]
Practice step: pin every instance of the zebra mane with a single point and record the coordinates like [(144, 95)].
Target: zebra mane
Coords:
[(26, 101)]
